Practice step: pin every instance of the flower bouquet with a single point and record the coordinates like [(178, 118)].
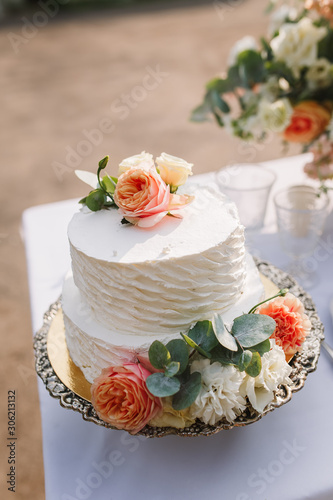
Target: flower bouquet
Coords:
[(284, 85), (208, 375)]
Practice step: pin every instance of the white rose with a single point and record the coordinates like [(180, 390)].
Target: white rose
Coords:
[(320, 73), (219, 396), (143, 160), (280, 16), (246, 43), (275, 116), (274, 371), (296, 44), (174, 171)]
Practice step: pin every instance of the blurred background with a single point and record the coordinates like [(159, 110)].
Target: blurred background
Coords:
[(81, 79)]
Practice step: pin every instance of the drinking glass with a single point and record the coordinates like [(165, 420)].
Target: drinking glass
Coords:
[(301, 214), (248, 185)]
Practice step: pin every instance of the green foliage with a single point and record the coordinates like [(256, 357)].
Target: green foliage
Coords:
[(252, 329), (223, 336), (172, 368), (254, 368), (159, 356), (251, 68), (179, 352), (95, 200), (188, 392), (244, 360), (203, 335), (162, 386)]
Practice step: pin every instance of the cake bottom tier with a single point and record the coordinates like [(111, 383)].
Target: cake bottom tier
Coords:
[(93, 347)]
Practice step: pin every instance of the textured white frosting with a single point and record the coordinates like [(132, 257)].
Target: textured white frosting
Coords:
[(93, 346), (179, 271)]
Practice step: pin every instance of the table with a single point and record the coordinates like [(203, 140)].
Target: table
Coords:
[(285, 456)]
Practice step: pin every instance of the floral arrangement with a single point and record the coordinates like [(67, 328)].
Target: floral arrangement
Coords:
[(210, 373), (284, 85), (144, 192)]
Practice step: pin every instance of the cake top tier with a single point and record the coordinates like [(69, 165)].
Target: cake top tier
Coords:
[(206, 222)]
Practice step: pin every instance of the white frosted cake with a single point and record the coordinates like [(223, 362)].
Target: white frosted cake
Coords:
[(130, 286)]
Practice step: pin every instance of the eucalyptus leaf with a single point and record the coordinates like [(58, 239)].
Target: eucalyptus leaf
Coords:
[(251, 67), (188, 392), (262, 347), (95, 200), (244, 360), (172, 369), (252, 329), (159, 356), (195, 346), (203, 335), (254, 368), (179, 352), (225, 356), (161, 386), (223, 336), (218, 102)]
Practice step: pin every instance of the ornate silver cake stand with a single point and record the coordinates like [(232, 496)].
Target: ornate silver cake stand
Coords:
[(302, 364)]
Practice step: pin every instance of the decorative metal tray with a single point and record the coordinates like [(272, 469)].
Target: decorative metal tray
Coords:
[(302, 364)]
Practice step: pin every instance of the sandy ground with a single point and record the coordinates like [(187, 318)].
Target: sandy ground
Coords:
[(125, 81)]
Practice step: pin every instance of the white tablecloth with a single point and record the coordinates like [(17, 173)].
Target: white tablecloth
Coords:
[(286, 455)]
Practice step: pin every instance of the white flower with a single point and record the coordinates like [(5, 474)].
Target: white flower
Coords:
[(280, 16), (271, 89), (219, 395), (143, 160), (275, 116), (320, 73), (296, 44), (274, 371), (246, 43), (173, 170)]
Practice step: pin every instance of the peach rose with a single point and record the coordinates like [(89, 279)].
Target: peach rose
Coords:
[(121, 398), (323, 7), (308, 121), (292, 324), (144, 198)]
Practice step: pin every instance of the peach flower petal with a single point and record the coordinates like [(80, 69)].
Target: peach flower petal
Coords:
[(121, 398), (292, 324)]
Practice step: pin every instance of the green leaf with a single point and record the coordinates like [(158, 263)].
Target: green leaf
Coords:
[(262, 347), (201, 113), (172, 369), (195, 346), (244, 360), (159, 355), (254, 368), (217, 101), (161, 386), (108, 184), (223, 336), (251, 67), (252, 329), (95, 200), (220, 85), (225, 356), (179, 352), (203, 335), (83, 200), (188, 392)]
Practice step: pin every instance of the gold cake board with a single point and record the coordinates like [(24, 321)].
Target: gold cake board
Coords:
[(69, 374)]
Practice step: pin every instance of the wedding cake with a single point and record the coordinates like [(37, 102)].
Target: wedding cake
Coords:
[(163, 310), (131, 286)]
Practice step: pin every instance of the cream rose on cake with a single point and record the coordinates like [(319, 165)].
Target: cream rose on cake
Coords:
[(174, 171), (143, 160)]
